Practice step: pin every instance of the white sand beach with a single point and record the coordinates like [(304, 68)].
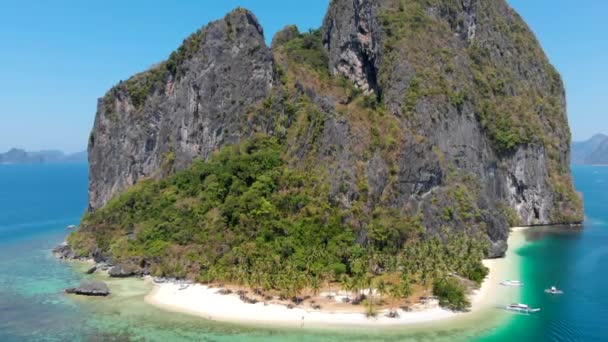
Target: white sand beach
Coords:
[(207, 303)]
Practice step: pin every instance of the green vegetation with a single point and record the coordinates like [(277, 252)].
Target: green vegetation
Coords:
[(507, 107), (513, 219), (451, 294), (187, 50), (308, 49), (246, 217), (510, 120)]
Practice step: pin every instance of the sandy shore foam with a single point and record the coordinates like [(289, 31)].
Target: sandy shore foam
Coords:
[(205, 302)]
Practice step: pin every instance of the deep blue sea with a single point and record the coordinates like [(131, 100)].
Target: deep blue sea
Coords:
[(37, 202)]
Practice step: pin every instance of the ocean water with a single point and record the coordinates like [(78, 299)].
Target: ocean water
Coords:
[(577, 263), (37, 202)]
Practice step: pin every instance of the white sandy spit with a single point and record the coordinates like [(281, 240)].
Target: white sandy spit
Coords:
[(205, 302)]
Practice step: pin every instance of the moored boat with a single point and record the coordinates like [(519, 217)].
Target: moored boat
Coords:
[(512, 283), (521, 308), (553, 290)]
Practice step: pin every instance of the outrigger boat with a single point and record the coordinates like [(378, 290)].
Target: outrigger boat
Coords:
[(521, 308), (512, 283), (554, 290)]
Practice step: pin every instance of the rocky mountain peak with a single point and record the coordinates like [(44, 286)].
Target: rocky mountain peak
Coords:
[(445, 113), (350, 36), (158, 121), (470, 77)]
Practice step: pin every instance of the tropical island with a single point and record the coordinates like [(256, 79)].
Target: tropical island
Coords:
[(378, 159)]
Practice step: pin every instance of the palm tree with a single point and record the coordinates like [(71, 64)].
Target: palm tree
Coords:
[(368, 281), (347, 285), (315, 284), (381, 288), (327, 276), (357, 284), (405, 288), (396, 293), (266, 282)]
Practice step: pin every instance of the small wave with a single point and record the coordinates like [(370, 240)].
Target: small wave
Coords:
[(560, 330), (590, 261)]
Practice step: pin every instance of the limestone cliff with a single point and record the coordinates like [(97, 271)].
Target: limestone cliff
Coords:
[(447, 111), (475, 95), (160, 120)]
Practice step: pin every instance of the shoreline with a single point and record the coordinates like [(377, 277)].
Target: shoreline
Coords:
[(202, 301)]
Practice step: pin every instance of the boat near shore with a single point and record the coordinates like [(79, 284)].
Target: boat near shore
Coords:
[(515, 283), (523, 308), (554, 290)]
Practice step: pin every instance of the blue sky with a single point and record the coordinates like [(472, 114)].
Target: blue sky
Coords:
[(58, 57)]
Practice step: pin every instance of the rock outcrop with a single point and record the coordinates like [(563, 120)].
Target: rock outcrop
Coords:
[(64, 251), (351, 35), (285, 35), (446, 111), (90, 288), (125, 270)]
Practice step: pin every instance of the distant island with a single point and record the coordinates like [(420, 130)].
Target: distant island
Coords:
[(593, 151), (19, 156)]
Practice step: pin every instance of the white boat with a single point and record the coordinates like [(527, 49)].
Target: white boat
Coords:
[(554, 290), (71, 227), (512, 283), (521, 308)]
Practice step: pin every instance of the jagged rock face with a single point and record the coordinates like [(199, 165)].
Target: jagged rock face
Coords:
[(447, 133), (351, 37), (467, 129), (160, 120)]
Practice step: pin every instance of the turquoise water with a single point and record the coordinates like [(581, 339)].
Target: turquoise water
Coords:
[(576, 262), (37, 202)]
